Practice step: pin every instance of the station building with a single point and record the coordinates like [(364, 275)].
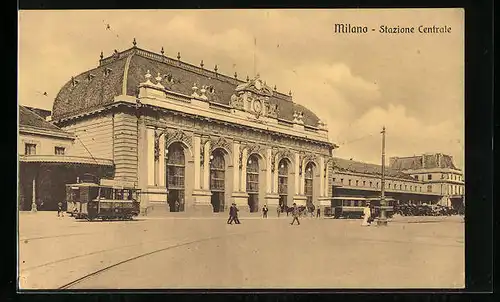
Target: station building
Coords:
[(193, 139)]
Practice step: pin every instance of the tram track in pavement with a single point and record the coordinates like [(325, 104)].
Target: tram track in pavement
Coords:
[(145, 254)]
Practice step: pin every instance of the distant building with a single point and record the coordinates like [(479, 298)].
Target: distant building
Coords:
[(359, 179), (46, 163), (438, 173)]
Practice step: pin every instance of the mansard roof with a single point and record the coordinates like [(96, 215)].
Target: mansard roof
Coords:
[(28, 119), (121, 74), (425, 161), (345, 165)]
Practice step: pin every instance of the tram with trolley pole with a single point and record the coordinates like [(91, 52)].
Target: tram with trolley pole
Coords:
[(103, 199)]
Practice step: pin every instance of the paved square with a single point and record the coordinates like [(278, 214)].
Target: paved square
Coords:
[(180, 252)]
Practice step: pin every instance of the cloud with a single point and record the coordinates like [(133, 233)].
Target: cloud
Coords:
[(405, 136)]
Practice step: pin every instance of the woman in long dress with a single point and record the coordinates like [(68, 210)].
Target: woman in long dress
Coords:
[(366, 215)]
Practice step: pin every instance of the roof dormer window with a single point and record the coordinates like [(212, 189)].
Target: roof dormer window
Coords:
[(107, 71)]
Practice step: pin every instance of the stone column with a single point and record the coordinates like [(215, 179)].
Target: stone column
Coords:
[(297, 174), (299, 198), (322, 176), (269, 180), (236, 165), (161, 163), (324, 200), (150, 143), (240, 197), (272, 199), (144, 157), (206, 166), (197, 163), (276, 177), (201, 195), (243, 182)]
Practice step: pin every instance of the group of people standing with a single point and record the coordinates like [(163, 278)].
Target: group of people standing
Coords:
[(233, 213)]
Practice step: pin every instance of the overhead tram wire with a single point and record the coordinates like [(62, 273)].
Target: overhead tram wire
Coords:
[(356, 139), (87, 149)]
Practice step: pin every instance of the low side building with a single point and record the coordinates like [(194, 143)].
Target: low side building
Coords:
[(360, 179), (46, 163)]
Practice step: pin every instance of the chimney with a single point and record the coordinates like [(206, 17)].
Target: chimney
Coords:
[(439, 160), (392, 161), (423, 161)]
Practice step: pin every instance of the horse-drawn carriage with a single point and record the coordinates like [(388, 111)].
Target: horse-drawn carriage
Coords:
[(106, 200)]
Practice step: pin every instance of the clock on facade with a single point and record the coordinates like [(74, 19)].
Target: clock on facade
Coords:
[(257, 106)]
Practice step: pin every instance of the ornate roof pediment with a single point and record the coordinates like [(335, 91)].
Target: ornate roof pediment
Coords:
[(256, 86)]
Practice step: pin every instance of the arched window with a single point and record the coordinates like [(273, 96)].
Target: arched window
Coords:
[(308, 177), (253, 183), (283, 181), (217, 180), (175, 177)]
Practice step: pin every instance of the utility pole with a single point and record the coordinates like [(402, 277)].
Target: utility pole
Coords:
[(382, 220)]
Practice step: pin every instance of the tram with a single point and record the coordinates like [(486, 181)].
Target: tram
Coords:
[(353, 207), (105, 200), (348, 207)]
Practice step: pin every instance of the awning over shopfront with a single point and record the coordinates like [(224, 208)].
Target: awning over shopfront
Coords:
[(63, 159)]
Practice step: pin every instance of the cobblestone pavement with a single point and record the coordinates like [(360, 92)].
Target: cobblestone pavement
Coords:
[(181, 252)]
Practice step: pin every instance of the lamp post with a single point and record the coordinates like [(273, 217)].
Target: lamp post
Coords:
[(33, 199), (382, 220)]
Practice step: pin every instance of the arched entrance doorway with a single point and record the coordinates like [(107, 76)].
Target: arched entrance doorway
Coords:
[(176, 169), (309, 184), (218, 180), (253, 183), (283, 173)]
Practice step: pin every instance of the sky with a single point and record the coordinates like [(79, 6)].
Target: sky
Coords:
[(413, 84)]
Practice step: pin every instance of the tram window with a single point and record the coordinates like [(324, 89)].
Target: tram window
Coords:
[(119, 194), (106, 193)]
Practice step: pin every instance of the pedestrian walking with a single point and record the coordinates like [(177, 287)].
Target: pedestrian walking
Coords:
[(278, 211), (366, 215), (236, 220), (59, 209), (232, 211), (318, 212), (177, 205), (264, 211), (295, 214)]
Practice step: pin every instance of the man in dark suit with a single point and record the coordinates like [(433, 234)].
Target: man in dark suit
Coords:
[(233, 215), (295, 214)]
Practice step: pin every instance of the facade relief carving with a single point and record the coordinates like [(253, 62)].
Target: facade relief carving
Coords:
[(253, 96), (223, 143), (178, 136), (210, 128)]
